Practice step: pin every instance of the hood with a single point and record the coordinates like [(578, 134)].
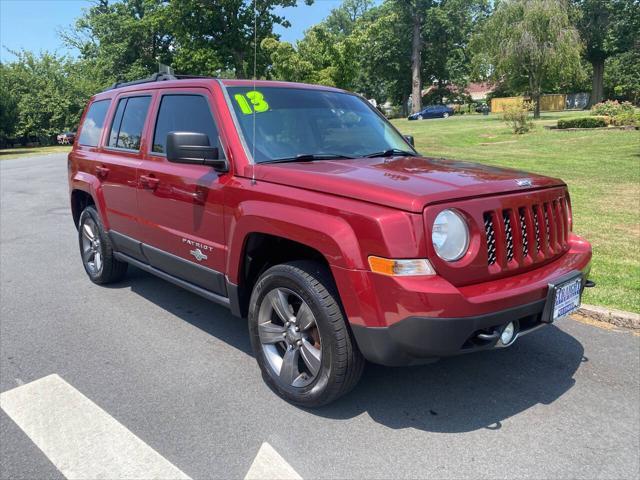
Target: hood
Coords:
[(406, 183)]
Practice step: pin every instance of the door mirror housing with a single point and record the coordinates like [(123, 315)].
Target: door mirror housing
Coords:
[(194, 148), (410, 139)]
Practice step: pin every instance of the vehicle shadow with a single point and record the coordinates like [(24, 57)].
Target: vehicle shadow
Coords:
[(468, 392), (458, 394), (211, 318)]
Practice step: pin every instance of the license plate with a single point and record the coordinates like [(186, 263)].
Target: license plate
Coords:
[(567, 298)]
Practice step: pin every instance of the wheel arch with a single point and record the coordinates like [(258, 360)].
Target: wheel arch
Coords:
[(86, 190), (265, 235)]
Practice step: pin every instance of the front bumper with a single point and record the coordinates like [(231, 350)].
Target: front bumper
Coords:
[(413, 320), (419, 340)]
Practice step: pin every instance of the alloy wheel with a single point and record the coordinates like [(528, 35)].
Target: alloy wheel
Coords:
[(289, 337), (91, 247)]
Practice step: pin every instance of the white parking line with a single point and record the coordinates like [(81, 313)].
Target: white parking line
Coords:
[(82, 440), (269, 465)]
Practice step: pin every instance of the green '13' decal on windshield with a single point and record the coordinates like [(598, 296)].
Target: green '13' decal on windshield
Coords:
[(257, 100)]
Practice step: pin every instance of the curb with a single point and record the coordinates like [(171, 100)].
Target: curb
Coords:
[(619, 318)]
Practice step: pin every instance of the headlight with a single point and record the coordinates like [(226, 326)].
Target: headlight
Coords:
[(450, 235)]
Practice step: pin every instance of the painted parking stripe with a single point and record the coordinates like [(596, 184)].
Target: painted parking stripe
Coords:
[(82, 440), (269, 465)]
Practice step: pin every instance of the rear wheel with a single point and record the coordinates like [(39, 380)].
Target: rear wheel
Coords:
[(445, 115), (96, 249), (300, 337)]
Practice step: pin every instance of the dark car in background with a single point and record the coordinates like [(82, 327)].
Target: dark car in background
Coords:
[(432, 111), (66, 138)]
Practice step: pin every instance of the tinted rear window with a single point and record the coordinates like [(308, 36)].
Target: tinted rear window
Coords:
[(183, 113), (93, 123), (128, 122)]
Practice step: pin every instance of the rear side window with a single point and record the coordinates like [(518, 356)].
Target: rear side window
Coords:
[(183, 113), (128, 122), (91, 129)]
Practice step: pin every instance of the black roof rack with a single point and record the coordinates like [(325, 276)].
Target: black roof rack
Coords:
[(156, 77)]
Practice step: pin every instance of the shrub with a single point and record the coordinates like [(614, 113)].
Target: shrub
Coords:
[(626, 119), (516, 115), (583, 122), (612, 108)]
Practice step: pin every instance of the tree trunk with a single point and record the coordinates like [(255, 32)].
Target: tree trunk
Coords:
[(238, 61), (536, 100), (416, 63), (597, 88)]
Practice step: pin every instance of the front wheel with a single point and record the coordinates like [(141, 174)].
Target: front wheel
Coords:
[(445, 115), (420, 117), (300, 336)]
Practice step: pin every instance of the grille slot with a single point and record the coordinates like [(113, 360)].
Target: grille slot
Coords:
[(508, 233), (491, 238), (545, 211), (523, 229), (536, 227)]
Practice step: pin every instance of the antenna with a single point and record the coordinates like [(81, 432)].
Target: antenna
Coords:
[(255, 61)]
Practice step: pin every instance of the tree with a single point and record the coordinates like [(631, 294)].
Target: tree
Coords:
[(40, 98), (527, 44), (126, 39), (607, 27), (622, 77), (123, 40)]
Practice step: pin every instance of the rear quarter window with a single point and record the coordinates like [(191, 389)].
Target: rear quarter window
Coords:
[(128, 122), (91, 129)]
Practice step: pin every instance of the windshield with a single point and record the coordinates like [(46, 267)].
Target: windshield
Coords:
[(296, 122)]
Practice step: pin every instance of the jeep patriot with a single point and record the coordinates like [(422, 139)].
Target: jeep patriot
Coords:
[(302, 209)]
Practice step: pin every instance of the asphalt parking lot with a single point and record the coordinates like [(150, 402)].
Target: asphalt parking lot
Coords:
[(177, 372)]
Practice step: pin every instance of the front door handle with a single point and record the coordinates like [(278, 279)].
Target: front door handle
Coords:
[(149, 182), (102, 171)]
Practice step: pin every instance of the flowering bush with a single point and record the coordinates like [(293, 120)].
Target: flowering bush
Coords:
[(612, 108)]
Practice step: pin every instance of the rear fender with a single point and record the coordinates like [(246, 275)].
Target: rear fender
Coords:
[(90, 184)]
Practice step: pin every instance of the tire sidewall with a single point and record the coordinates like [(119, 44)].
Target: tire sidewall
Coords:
[(281, 277)]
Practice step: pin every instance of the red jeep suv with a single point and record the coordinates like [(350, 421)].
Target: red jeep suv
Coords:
[(302, 209)]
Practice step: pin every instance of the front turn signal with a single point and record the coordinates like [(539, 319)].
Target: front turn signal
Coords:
[(410, 267)]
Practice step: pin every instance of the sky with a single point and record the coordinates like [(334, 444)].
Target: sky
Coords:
[(33, 24)]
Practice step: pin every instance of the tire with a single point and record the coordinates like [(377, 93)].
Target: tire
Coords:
[(339, 365), (445, 115), (96, 250), (420, 117)]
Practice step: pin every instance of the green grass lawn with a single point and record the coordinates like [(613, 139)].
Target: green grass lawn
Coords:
[(8, 153), (602, 169)]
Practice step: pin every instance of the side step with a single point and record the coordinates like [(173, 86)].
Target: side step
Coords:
[(176, 281)]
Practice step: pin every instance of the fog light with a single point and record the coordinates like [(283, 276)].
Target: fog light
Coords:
[(506, 337)]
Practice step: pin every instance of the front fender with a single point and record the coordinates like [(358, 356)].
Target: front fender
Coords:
[(332, 236)]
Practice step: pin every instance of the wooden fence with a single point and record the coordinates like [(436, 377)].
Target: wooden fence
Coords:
[(548, 103)]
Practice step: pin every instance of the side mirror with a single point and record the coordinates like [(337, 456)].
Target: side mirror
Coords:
[(409, 138), (194, 148)]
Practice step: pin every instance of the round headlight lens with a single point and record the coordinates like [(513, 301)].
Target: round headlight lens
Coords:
[(450, 235)]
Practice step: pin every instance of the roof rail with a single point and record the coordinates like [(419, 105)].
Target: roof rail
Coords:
[(156, 77)]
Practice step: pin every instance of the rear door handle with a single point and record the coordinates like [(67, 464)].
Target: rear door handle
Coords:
[(149, 182), (102, 171)]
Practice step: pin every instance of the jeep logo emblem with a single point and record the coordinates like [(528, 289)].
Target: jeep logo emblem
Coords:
[(199, 256), (524, 182)]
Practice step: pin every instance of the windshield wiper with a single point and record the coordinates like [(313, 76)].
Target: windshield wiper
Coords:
[(392, 152), (309, 157)]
